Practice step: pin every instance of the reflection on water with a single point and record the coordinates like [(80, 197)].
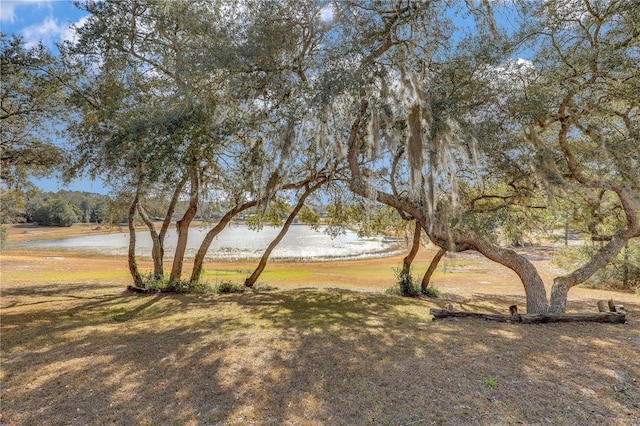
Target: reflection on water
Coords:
[(238, 242)]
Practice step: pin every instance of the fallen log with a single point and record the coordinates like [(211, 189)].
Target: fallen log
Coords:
[(603, 317)]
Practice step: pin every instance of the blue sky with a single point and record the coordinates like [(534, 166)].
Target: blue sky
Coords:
[(39, 20), (48, 22)]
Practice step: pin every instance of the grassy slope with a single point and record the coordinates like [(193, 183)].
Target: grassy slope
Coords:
[(91, 354), (75, 349)]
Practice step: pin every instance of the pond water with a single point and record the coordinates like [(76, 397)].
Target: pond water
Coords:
[(238, 242)]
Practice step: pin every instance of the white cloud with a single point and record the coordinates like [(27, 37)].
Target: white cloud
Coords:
[(8, 8), (69, 33), (48, 32), (7, 12)]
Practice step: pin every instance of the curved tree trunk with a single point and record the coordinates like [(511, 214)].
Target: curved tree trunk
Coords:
[(413, 251), (157, 238), (535, 291), (182, 226), (157, 246), (562, 284), (534, 286), (208, 239), (426, 279), (249, 282), (131, 257)]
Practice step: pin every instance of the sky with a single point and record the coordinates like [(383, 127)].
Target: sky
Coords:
[(39, 20), (49, 22)]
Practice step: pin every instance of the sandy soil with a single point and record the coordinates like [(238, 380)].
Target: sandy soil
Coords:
[(462, 274), (78, 350)]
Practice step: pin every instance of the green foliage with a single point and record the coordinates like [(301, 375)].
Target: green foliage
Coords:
[(176, 286), (185, 286), (431, 292), (406, 285), (308, 216), (622, 272), (382, 220), (56, 212), (32, 105), (13, 205), (491, 383), (226, 287), (409, 286)]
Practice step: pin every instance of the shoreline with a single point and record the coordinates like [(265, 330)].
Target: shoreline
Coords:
[(23, 238)]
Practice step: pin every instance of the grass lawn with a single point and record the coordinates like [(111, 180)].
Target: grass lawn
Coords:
[(327, 348)]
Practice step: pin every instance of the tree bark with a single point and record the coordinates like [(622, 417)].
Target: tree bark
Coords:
[(535, 291), (131, 256), (415, 246), (157, 249), (534, 286), (432, 268), (213, 232), (249, 282), (562, 284), (157, 238), (182, 226), (603, 317)]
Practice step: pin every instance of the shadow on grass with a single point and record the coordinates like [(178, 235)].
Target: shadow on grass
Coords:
[(307, 357)]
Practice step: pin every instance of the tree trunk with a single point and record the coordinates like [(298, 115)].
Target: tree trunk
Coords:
[(413, 251), (432, 268), (625, 267), (208, 239), (534, 286), (133, 266), (157, 247), (249, 282), (157, 239), (182, 226), (535, 291), (562, 284), (544, 318)]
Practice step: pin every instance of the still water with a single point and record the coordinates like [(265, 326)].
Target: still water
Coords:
[(238, 242)]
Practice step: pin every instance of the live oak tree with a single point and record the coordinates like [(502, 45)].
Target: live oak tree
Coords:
[(181, 92), (587, 138), (435, 118), (412, 114), (150, 115), (31, 106), (434, 105)]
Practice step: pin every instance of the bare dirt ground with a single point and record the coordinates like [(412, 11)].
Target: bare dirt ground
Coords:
[(327, 347)]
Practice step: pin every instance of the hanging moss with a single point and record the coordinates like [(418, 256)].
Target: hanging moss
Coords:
[(414, 149)]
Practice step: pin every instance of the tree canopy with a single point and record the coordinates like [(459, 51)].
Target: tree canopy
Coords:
[(480, 121)]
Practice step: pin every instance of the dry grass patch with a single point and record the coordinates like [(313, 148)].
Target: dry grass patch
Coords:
[(78, 350), (91, 354)]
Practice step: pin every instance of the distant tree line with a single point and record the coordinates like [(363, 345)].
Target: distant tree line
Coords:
[(480, 123), (64, 208)]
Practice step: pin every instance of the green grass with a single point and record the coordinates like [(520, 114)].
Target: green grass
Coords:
[(64, 276)]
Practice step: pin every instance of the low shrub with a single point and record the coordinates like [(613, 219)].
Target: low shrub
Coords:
[(431, 292), (180, 286), (406, 285), (226, 287)]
